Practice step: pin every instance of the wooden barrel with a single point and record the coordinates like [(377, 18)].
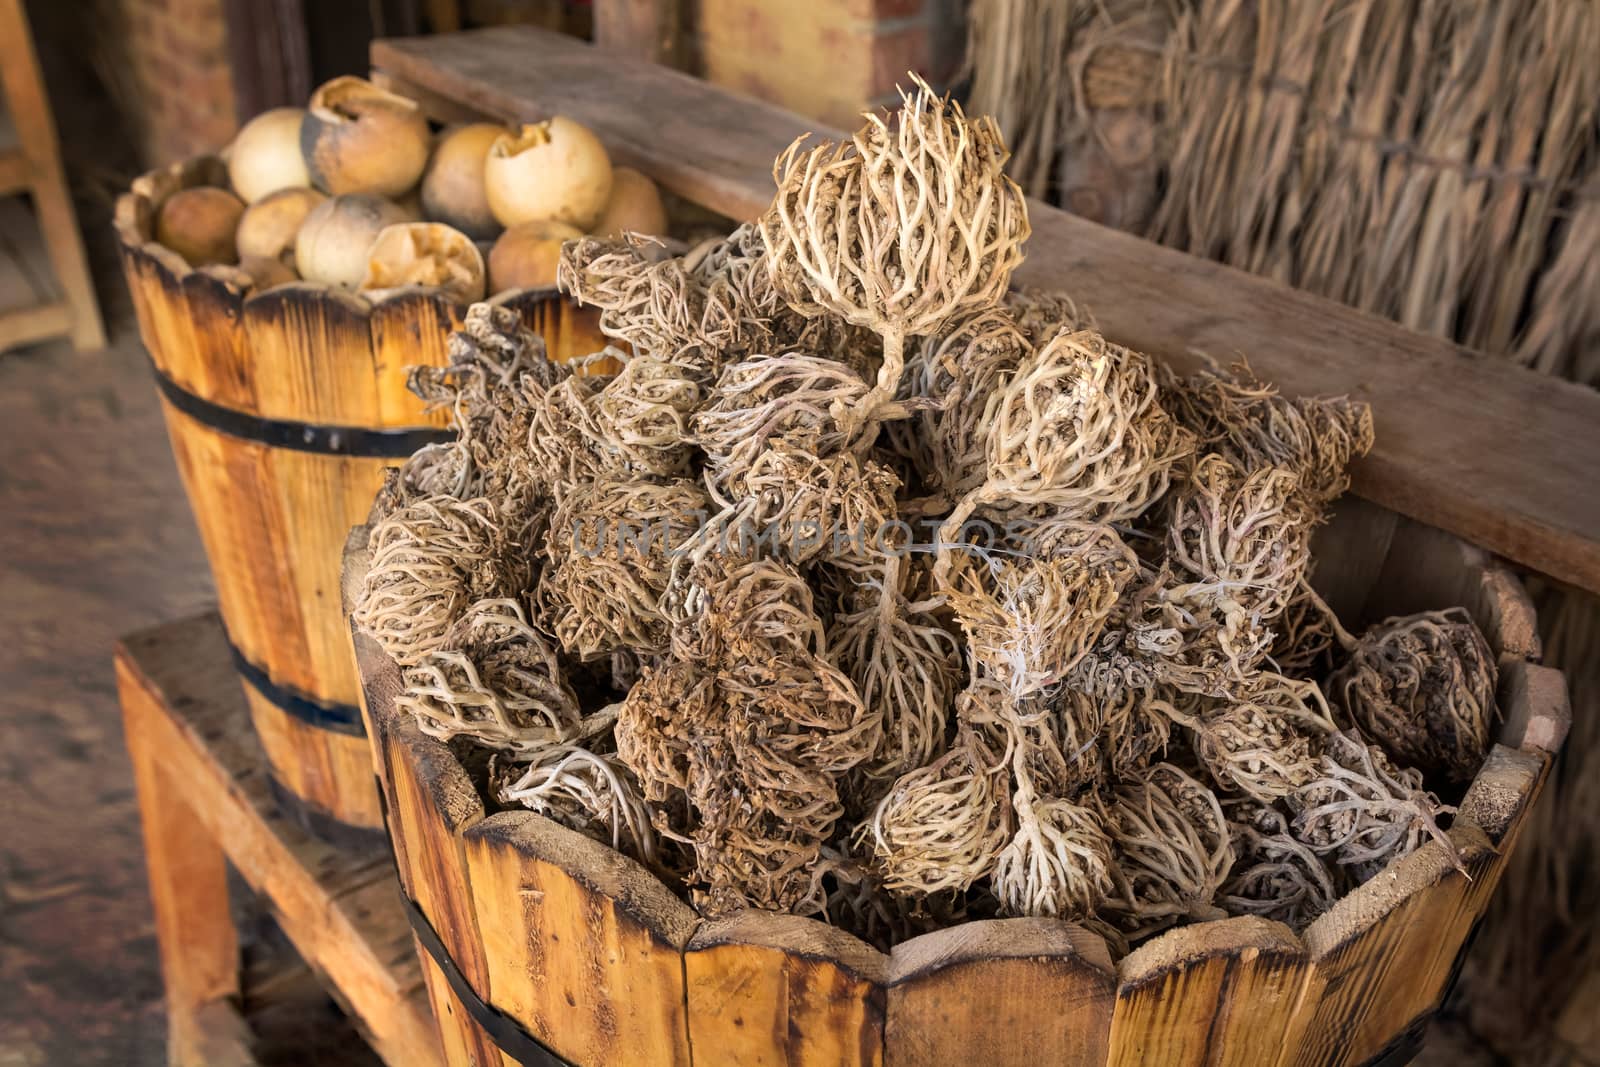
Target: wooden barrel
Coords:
[(284, 407), (538, 942)]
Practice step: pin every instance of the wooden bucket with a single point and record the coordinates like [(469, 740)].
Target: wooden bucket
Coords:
[(536, 940), (284, 407)]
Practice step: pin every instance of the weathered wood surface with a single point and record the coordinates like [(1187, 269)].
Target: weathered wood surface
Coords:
[(532, 907), (205, 798), (1499, 455)]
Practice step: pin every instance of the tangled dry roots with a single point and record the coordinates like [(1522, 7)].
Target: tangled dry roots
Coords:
[(1042, 313), (1135, 731), (1172, 851), (1306, 635), (642, 418), (649, 299), (565, 442), (905, 665), (907, 226), (1058, 863), (1246, 420), (941, 826), (1362, 811), (430, 559), (777, 399), (590, 792), (959, 374), (1237, 551), (611, 544), (1423, 687), (753, 725), (494, 678), (1078, 428), (1030, 617), (1268, 744), (1274, 875), (801, 506)]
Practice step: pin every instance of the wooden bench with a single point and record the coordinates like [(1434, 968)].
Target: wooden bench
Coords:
[(206, 803), (1494, 453)]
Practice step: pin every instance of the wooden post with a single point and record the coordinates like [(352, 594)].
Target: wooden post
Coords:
[(188, 890), (651, 30), (40, 167)]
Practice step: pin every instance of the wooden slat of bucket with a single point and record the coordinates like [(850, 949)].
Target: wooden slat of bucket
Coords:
[(971, 995), (214, 309), (313, 361), (229, 485), (1222, 992), (1382, 955), (434, 804), (784, 991), (409, 329), (461, 1042), (582, 946)]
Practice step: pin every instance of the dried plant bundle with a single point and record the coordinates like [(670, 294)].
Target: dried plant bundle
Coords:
[(611, 543), (592, 793), (1423, 687), (1274, 875), (430, 560), (941, 826), (1078, 427), (905, 227), (1058, 863), (905, 665), (959, 373), (1029, 618), (766, 400), (1247, 421), (1172, 851), (1363, 811), (495, 679), (692, 611), (1266, 745)]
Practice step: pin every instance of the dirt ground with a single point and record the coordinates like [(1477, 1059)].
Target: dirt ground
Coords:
[(95, 540)]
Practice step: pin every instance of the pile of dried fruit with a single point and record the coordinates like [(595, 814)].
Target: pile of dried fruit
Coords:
[(872, 591), (358, 192)]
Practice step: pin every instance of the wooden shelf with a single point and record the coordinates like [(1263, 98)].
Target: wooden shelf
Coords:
[(1492, 452), (206, 802)]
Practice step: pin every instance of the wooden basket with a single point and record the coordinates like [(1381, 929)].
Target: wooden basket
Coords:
[(532, 931), (284, 407)]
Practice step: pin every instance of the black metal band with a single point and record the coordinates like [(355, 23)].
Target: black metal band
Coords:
[(506, 1033), (321, 825), (335, 718), (298, 436)]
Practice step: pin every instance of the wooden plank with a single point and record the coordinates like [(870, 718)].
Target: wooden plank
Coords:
[(583, 946), (1223, 992), (340, 907), (784, 991), (1489, 451), (188, 885), (971, 994)]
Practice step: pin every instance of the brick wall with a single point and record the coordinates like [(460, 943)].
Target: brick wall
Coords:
[(176, 63), (826, 59)]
